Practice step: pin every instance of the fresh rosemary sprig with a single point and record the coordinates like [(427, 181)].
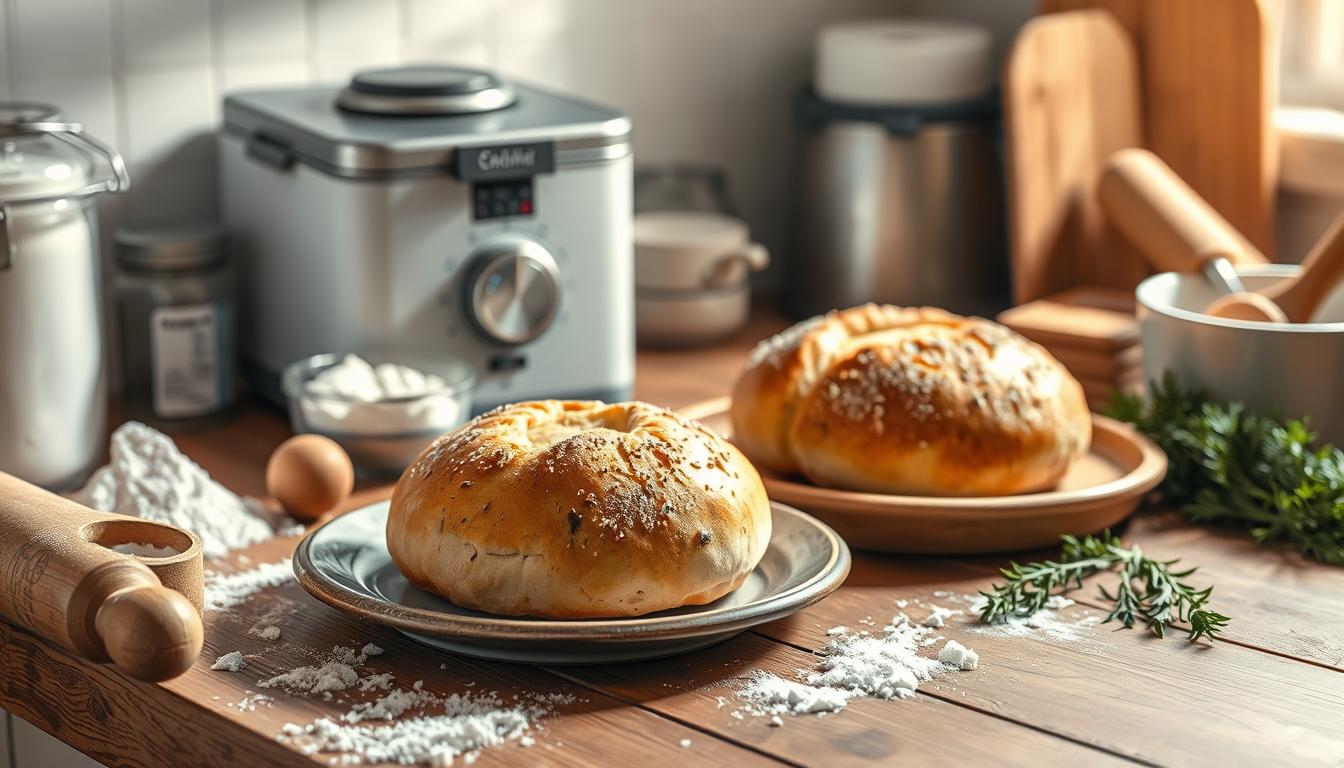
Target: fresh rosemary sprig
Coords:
[(1231, 466), (1147, 592)]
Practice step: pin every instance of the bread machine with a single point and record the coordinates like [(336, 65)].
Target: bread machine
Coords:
[(437, 210)]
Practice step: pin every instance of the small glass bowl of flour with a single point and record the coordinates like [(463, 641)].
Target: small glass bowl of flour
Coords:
[(382, 409)]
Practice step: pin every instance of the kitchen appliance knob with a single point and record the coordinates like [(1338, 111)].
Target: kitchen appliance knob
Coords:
[(513, 291)]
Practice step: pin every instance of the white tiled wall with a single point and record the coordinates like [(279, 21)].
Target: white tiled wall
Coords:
[(705, 80)]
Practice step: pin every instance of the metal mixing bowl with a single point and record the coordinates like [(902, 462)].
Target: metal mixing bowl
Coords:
[(1294, 370)]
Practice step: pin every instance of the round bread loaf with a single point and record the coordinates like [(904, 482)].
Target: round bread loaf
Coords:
[(571, 509), (910, 401)]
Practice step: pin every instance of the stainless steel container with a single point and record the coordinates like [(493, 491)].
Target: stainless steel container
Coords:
[(899, 196)]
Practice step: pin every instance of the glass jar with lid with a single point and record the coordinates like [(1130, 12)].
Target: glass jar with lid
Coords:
[(175, 314), (52, 378)]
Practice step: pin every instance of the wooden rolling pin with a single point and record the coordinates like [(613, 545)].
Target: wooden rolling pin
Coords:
[(1174, 228), (61, 578)]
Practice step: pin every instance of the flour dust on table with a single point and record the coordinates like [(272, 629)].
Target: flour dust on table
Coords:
[(405, 726), (225, 590), (149, 478), (853, 665), (892, 662)]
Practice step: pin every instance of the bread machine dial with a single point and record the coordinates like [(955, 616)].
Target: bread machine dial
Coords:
[(512, 290)]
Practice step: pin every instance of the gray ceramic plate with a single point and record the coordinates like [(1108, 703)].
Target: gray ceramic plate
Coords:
[(345, 564)]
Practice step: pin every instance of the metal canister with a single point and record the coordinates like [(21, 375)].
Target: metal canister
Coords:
[(175, 313), (53, 405), (899, 196)]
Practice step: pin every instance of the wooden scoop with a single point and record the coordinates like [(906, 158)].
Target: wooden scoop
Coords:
[(1299, 297), (61, 578), (1175, 229)]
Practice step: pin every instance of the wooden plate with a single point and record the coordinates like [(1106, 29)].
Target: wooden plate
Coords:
[(1100, 490), (345, 564)]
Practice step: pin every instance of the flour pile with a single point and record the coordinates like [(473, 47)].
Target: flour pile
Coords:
[(148, 477), (861, 665), (227, 590)]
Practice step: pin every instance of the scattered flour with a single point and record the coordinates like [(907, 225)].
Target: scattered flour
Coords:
[(836, 631), (938, 616), (230, 662), (250, 703), (266, 633), (335, 673), (1047, 623), (225, 591), (853, 666), (148, 477), (957, 655), (684, 743), (461, 727)]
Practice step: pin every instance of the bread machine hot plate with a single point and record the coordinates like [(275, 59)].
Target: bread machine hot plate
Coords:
[(437, 210)]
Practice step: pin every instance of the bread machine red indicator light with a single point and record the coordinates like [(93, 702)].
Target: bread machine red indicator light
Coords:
[(505, 197)]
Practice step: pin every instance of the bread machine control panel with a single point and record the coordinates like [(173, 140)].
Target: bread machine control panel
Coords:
[(512, 290)]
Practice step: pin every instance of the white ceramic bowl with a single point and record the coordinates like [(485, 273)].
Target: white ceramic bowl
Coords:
[(1294, 370)]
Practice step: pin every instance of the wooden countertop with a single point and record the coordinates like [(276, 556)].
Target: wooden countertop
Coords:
[(1271, 693)]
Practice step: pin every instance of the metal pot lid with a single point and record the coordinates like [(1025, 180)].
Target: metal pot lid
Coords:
[(180, 247), (425, 89)]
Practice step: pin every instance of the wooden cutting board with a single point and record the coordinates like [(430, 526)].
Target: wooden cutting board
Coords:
[(1209, 84), (1071, 99)]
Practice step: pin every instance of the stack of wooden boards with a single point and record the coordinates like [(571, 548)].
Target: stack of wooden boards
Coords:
[(1093, 332)]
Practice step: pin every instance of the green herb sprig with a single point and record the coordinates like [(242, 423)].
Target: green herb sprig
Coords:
[(1231, 466), (1148, 591)]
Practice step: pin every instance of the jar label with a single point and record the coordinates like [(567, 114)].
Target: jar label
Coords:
[(185, 360)]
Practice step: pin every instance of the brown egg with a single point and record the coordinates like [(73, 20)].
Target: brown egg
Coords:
[(309, 475)]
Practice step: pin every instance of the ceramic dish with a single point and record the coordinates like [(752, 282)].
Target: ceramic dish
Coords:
[(1100, 490), (345, 564)]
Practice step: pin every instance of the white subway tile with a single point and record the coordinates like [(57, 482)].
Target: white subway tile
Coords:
[(280, 73), (355, 34), (459, 32), (56, 37), (163, 32), (535, 41), (166, 112), (257, 28), (86, 99)]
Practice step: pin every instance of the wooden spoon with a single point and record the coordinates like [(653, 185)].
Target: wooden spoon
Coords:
[(1175, 229), (1299, 297), (57, 581)]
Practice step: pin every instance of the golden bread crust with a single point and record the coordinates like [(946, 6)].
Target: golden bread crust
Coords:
[(917, 401), (572, 509)]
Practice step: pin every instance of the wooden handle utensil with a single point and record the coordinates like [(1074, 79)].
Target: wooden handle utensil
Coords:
[(1299, 297), (1173, 226), (61, 578), (1177, 231)]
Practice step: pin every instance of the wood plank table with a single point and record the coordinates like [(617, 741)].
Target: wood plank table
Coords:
[(1270, 694)]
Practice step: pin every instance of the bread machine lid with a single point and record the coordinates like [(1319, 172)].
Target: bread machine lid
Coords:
[(411, 121)]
